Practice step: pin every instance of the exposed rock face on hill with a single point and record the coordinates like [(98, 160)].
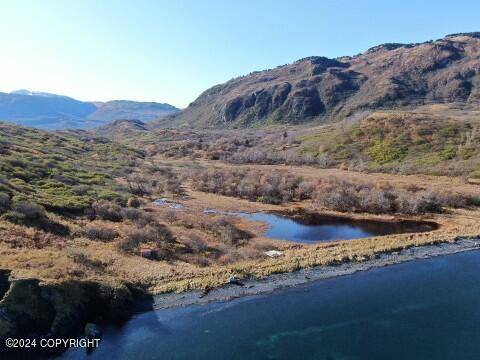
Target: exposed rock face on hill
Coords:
[(321, 89)]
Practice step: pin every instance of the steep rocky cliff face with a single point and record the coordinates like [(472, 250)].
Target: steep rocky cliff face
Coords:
[(318, 89), (29, 308)]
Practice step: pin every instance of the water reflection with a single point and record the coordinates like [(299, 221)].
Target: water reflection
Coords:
[(315, 227)]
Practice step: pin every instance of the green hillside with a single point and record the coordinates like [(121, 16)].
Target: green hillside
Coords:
[(439, 141), (61, 171)]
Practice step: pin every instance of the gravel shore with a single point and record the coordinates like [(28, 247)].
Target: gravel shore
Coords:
[(278, 281)]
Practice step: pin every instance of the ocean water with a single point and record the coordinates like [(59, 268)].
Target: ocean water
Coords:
[(427, 309)]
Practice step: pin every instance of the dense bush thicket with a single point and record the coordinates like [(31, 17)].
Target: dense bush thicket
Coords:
[(144, 229), (330, 193), (404, 142), (273, 187), (154, 180), (442, 143), (140, 232), (216, 239), (341, 195), (257, 156), (241, 148)]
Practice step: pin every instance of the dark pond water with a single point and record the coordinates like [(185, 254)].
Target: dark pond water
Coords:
[(419, 310), (327, 228)]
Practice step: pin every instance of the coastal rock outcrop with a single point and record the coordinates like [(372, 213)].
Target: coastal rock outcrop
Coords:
[(31, 308)]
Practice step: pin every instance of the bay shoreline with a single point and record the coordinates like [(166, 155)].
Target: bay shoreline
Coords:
[(275, 282)]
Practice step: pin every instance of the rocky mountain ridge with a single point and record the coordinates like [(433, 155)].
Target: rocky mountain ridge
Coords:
[(319, 89)]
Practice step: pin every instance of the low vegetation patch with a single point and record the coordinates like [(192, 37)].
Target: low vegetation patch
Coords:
[(33, 215), (445, 142), (63, 172)]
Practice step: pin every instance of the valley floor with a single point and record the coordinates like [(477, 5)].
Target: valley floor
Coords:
[(59, 261)]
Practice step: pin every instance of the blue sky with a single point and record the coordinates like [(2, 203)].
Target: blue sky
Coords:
[(170, 51)]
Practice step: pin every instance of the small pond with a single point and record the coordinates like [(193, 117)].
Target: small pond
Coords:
[(316, 227)]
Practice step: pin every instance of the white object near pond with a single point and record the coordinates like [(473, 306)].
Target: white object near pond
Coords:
[(273, 253), (166, 202)]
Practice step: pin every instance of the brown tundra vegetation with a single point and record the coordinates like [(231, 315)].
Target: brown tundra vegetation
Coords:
[(331, 193)]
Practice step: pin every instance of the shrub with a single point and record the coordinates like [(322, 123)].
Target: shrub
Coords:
[(103, 234), (376, 201), (5, 202), (170, 216), (384, 152), (172, 185), (195, 243), (134, 202), (81, 190), (139, 185), (419, 203), (227, 232), (330, 193), (82, 258), (32, 214), (29, 211), (344, 196), (107, 195), (145, 219), (429, 201), (273, 187), (197, 259), (250, 253), (458, 200), (157, 235), (304, 190), (336, 196), (106, 210), (448, 153), (132, 214)]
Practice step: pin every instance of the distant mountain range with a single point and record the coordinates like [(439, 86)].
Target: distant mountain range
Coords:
[(317, 89), (312, 90), (54, 112)]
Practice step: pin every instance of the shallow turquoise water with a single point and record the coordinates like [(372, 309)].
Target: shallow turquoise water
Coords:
[(419, 310)]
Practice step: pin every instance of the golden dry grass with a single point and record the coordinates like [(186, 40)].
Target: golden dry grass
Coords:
[(58, 260)]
